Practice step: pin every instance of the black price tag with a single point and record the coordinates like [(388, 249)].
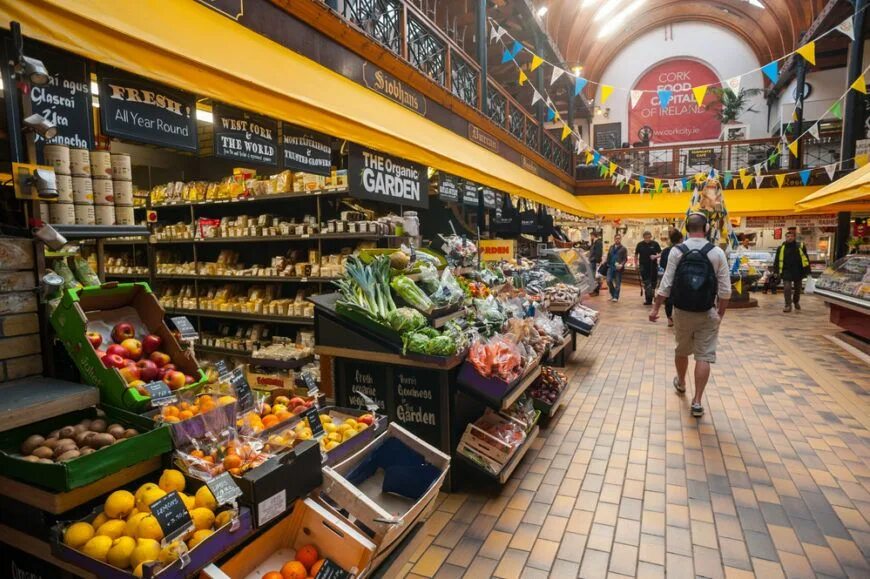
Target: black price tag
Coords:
[(160, 393), (172, 516), (314, 423), (243, 391), (224, 488), (184, 327), (222, 370), (311, 384), (329, 570)]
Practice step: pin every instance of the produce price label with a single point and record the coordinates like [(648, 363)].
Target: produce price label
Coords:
[(184, 327), (329, 570), (135, 108), (311, 384), (172, 515), (314, 423), (271, 507), (243, 136), (306, 150), (160, 393), (469, 193), (448, 188), (224, 488), (381, 177), (243, 391), (222, 370)]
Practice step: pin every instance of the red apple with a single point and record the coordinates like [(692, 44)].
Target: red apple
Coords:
[(133, 347), (365, 419), (295, 401), (188, 380), (117, 350), (113, 361), (130, 373), (164, 370), (123, 331), (148, 370), (100, 354), (95, 338), (151, 343), (159, 358), (299, 409), (174, 379)]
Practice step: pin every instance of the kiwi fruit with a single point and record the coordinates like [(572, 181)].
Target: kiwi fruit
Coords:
[(31, 442), (51, 441), (79, 428), (101, 440), (43, 452), (67, 432), (82, 437), (63, 445), (53, 434), (130, 433), (68, 455), (98, 425), (46, 461), (86, 423), (116, 430), (86, 450), (30, 458)]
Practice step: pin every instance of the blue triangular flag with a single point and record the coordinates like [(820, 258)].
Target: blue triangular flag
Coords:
[(727, 179), (805, 176), (506, 57), (685, 183), (596, 156), (771, 71), (579, 84), (551, 114), (642, 180), (664, 98), (516, 48)]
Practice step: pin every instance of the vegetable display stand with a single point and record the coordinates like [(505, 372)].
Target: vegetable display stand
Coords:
[(497, 393), (560, 353)]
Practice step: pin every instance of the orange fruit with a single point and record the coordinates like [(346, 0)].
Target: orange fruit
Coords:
[(307, 555), (235, 471), (265, 409), (293, 570), (284, 415), (171, 419), (315, 568), (232, 461), (273, 575), (270, 420), (197, 453), (170, 410), (185, 414)]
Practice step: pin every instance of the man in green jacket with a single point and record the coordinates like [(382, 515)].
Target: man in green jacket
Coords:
[(792, 264)]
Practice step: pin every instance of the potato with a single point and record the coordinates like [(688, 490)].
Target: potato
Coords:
[(43, 452), (53, 434), (101, 440), (30, 458), (86, 450), (64, 445), (31, 442), (83, 437), (46, 461), (79, 428), (50, 442), (98, 425), (116, 430), (130, 433), (86, 423), (67, 432), (68, 455)]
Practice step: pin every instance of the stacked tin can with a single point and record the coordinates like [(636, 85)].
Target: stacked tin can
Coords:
[(82, 186), (104, 190), (62, 211), (122, 182)]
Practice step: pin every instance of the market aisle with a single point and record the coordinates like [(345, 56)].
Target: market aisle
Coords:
[(774, 480)]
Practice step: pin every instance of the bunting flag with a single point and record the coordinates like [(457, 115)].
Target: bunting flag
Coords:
[(589, 157), (759, 168), (771, 71), (700, 92), (793, 147), (596, 156), (733, 84), (523, 77), (759, 179), (536, 62), (506, 57), (860, 160), (780, 179), (642, 180), (657, 183), (497, 33), (516, 48), (808, 51), (860, 84), (746, 181), (606, 91), (566, 130), (537, 97), (579, 83), (837, 110), (727, 178), (805, 176), (635, 97), (742, 173), (814, 131), (611, 168), (551, 114), (847, 27), (557, 72), (602, 170), (671, 185), (580, 145), (664, 98), (738, 285), (831, 170)]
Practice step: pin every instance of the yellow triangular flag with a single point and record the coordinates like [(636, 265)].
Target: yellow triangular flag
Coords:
[(780, 179), (860, 84), (742, 174), (861, 160), (700, 93), (566, 130), (523, 78), (536, 62), (746, 181), (699, 177), (611, 168), (793, 147), (589, 157), (808, 51), (606, 91), (738, 286)]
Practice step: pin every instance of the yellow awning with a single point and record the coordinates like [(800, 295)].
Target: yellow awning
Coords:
[(740, 203), (187, 45), (851, 192)]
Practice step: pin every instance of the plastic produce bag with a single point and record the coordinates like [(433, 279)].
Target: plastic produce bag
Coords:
[(69, 279), (84, 273), (448, 291)]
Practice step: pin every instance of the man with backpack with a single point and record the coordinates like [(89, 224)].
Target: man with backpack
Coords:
[(792, 264), (698, 283)]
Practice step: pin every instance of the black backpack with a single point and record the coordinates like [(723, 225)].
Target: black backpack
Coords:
[(694, 288)]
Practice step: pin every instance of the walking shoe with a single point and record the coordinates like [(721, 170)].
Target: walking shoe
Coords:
[(797, 306), (697, 410), (670, 322), (786, 309), (681, 388), (614, 300)]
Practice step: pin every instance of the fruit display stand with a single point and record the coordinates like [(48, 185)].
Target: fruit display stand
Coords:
[(559, 354)]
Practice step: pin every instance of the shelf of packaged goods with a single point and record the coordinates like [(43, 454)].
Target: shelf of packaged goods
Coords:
[(113, 241), (247, 278), (260, 239), (137, 276), (76, 232), (248, 357), (253, 200), (510, 466), (297, 320)]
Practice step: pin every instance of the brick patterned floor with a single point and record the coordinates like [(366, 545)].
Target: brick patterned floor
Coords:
[(774, 481)]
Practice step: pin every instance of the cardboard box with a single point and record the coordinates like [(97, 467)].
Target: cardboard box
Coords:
[(16, 253), (19, 324)]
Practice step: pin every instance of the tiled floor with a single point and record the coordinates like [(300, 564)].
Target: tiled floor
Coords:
[(774, 481)]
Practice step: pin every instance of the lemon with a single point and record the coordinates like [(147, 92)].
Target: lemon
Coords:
[(148, 497), (202, 517), (171, 480), (350, 422), (132, 527), (146, 550), (133, 513), (113, 528), (141, 491), (198, 537), (204, 498), (361, 426), (188, 500), (99, 520), (98, 547), (139, 571), (149, 528), (169, 553), (119, 554), (78, 534), (326, 418), (330, 445), (223, 518), (330, 428), (119, 504), (350, 434)]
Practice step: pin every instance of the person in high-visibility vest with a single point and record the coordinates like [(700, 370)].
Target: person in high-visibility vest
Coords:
[(792, 264)]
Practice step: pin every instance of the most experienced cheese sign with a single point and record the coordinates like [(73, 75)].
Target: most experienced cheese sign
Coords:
[(380, 177), (244, 136)]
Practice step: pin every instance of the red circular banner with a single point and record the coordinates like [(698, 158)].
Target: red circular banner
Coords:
[(683, 119)]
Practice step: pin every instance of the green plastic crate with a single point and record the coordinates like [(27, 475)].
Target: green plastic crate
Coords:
[(70, 322)]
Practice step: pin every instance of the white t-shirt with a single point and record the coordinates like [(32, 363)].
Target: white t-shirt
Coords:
[(716, 257)]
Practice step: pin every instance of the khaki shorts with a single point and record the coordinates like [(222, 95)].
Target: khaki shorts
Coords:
[(696, 333)]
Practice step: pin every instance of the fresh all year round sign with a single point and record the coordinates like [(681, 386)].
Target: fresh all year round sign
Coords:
[(381, 177)]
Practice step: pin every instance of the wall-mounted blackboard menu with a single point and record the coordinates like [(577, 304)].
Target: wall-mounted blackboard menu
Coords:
[(243, 136), (381, 177), (418, 404), (448, 188), (489, 198), (138, 109), (306, 150), (367, 379), (469, 193)]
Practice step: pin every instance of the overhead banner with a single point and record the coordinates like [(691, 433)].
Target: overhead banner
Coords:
[(137, 109), (469, 193), (306, 150), (243, 136), (380, 177), (682, 119), (448, 188)]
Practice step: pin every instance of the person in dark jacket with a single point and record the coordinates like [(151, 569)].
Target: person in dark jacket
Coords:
[(792, 264), (617, 255), (676, 238), (596, 252), (646, 255)]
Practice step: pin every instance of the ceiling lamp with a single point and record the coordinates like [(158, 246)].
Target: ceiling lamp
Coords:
[(577, 70), (617, 21), (541, 11)]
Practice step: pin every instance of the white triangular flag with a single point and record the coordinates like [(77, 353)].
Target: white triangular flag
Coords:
[(671, 186), (831, 170), (814, 131), (678, 186), (635, 96), (619, 177), (578, 146), (733, 84), (758, 181), (557, 72), (537, 96), (497, 32), (758, 168), (628, 174), (847, 27)]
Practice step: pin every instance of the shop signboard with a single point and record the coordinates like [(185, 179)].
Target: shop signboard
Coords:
[(607, 135), (700, 158), (489, 198), (482, 138), (497, 249), (366, 381), (389, 86), (469, 193), (417, 401), (380, 177), (243, 136), (306, 150), (448, 188), (138, 109), (811, 220)]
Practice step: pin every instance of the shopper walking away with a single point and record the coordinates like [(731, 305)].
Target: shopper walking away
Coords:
[(697, 274), (596, 252), (675, 237), (792, 264), (617, 255), (646, 255)]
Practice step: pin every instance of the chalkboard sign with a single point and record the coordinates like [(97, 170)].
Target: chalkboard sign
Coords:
[(224, 488), (310, 383), (329, 570), (607, 136), (222, 370), (469, 193), (448, 188), (244, 394), (243, 136), (699, 157), (380, 177), (489, 198), (418, 405), (65, 101), (306, 150), (184, 327), (367, 379), (314, 423), (160, 393), (138, 109), (172, 515)]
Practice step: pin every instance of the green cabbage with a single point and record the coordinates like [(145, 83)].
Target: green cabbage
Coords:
[(406, 320), (441, 346)]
